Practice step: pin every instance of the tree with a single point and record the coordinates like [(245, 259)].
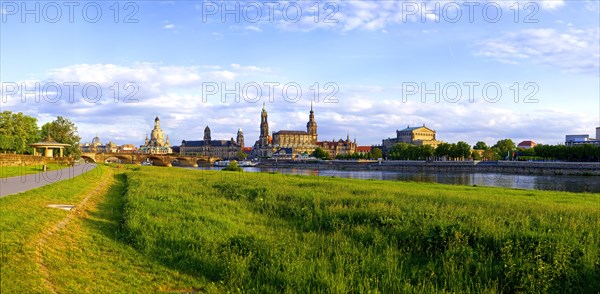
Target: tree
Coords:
[(16, 131), (62, 130), (376, 153), (399, 151), (443, 150), (490, 154), (426, 152), (462, 150), (241, 155), (320, 153), (480, 146), (503, 147)]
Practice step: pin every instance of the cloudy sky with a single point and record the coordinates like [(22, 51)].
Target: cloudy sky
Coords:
[(526, 70)]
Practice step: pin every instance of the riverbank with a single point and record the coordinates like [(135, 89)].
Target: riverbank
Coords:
[(508, 167), (214, 231), (265, 232)]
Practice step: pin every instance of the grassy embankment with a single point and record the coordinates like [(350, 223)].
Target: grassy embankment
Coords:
[(173, 230), (277, 233), (15, 171)]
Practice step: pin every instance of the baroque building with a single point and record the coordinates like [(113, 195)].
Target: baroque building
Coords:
[(96, 146), (157, 144), (412, 135), (290, 142), (339, 147), (225, 149)]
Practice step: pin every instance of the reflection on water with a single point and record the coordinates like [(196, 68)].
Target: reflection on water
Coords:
[(530, 182)]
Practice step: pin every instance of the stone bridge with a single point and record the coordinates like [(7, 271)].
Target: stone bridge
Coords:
[(156, 159)]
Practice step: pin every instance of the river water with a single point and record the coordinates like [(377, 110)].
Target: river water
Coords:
[(529, 182)]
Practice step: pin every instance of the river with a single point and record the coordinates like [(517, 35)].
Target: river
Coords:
[(589, 184)]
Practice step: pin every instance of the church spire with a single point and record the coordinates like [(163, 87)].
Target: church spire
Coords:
[(311, 126)]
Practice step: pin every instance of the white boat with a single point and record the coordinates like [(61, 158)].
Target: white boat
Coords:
[(247, 163), (222, 163)]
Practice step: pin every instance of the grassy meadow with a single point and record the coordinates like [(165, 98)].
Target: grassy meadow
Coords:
[(264, 232), (156, 229)]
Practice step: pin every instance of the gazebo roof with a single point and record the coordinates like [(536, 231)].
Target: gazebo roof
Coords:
[(48, 142)]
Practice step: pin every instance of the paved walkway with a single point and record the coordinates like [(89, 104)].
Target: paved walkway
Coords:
[(14, 185)]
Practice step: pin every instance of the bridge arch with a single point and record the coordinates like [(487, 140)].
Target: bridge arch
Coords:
[(88, 159), (120, 158), (155, 160), (181, 161)]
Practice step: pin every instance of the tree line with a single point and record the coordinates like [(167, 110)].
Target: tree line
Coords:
[(504, 149), (17, 130)]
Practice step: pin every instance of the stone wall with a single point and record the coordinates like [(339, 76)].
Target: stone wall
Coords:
[(30, 160), (510, 167)]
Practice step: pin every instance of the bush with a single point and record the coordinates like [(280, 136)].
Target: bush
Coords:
[(233, 166)]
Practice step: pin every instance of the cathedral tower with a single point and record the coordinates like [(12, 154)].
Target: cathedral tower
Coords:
[(311, 126), (207, 135), (264, 128), (240, 138)]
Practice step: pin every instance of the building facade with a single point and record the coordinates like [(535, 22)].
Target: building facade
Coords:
[(418, 136), (340, 147), (96, 146), (156, 144), (572, 140), (225, 149)]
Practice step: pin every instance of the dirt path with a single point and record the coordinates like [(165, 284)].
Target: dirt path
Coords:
[(78, 210)]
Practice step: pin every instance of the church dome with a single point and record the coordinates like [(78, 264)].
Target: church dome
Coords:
[(96, 141)]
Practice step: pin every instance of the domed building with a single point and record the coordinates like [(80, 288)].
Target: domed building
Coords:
[(156, 144)]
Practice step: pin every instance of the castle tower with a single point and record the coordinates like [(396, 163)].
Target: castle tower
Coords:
[(311, 126), (207, 135), (240, 138), (264, 128)]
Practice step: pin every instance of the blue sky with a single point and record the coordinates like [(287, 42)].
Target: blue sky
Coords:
[(377, 57)]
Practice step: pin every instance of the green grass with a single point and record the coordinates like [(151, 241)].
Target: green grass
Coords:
[(24, 217), (15, 171), (277, 233), (155, 229)]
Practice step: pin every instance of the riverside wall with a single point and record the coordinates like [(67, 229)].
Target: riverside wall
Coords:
[(509, 167)]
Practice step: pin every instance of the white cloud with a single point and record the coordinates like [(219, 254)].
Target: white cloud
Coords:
[(253, 28), (571, 50), (552, 4), (351, 15), (169, 26), (368, 112)]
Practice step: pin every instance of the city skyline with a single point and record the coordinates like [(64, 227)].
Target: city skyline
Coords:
[(376, 59)]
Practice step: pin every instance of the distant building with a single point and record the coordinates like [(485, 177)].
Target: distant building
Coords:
[(363, 150), (412, 135), (157, 143), (96, 146), (340, 147), (527, 144), (572, 140), (290, 143), (127, 148), (225, 149)]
